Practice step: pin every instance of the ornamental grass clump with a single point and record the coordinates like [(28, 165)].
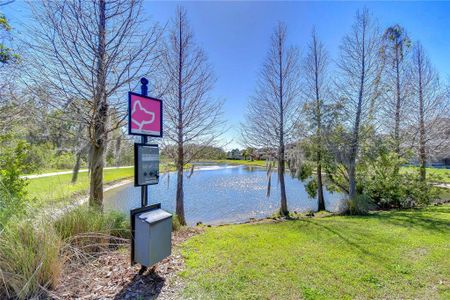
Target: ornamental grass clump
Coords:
[(84, 219), (35, 251), (30, 258), (88, 230)]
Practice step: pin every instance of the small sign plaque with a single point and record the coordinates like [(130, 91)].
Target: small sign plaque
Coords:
[(146, 164), (144, 115)]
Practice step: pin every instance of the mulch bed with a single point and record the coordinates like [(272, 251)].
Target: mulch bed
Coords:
[(110, 276)]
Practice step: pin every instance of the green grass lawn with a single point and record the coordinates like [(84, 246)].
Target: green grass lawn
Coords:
[(258, 163), (51, 189), (396, 254), (443, 175)]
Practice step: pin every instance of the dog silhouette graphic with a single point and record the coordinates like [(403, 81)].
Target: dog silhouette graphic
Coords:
[(141, 116)]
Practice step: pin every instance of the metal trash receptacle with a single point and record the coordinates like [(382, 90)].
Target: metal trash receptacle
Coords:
[(152, 236)]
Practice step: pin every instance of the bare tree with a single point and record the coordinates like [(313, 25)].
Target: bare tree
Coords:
[(358, 80), (11, 102), (11, 108), (395, 50), (89, 52), (273, 111), (316, 91), (192, 115), (7, 54), (430, 108)]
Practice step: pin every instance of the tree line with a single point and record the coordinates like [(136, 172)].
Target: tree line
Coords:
[(77, 61), (381, 97), (355, 119)]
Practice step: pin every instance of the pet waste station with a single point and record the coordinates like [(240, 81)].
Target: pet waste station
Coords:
[(151, 226)]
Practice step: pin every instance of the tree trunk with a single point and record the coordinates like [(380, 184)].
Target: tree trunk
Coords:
[(180, 154), (422, 151), (281, 164), (117, 150), (180, 191), (320, 198), (354, 148), (281, 170), (76, 167), (98, 139), (355, 138), (352, 180), (397, 108), (96, 178)]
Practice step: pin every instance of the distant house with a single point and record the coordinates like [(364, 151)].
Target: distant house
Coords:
[(438, 145), (440, 162), (264, 153), (235, 154), (441, 156), (292, 150)]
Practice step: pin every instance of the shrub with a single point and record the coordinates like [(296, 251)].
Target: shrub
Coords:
[(311, 187), (176, 225), (84, 219), (360, 205), (381, 181), (29, 258), (13, 195), (418, 192), (63, 160), (39, 157), (44, 156)]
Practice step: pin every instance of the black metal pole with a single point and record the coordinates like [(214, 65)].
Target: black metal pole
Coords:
[(144, 191)]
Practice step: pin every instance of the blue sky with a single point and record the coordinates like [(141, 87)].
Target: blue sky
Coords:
[(235, 35)]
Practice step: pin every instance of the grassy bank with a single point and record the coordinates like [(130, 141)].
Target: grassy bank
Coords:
[(396, 254), (443, 175), (48, 190), (256, 163), (53, 189), (56, 188)]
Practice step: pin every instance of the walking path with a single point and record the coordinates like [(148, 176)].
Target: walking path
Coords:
[(67, 172), (443, 185)]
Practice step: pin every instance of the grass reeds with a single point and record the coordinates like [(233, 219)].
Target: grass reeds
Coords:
[(30, 258), (33, 253)]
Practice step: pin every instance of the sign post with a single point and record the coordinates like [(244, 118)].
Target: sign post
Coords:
[(144, 190), (148, 222), (144, 119)]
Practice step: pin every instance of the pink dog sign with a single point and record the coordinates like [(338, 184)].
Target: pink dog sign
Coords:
[(144, 115)]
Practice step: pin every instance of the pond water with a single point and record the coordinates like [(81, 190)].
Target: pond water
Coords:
[(217, 194)]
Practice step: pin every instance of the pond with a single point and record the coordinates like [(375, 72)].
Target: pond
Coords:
[(217, 194)]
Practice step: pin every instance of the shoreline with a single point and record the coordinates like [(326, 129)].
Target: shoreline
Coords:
[(81, 198), (33, 176), (77, 200)]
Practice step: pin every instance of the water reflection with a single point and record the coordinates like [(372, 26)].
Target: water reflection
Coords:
[(222, 194)]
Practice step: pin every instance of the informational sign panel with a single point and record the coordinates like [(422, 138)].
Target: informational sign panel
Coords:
[(146, 164), (144, 115)]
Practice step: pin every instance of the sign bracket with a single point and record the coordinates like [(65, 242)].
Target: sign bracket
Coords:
[(144, 140)]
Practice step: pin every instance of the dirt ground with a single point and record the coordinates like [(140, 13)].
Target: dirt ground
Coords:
[(110, 276)]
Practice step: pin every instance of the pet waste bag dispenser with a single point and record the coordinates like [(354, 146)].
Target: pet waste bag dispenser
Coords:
[(152, 236)]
